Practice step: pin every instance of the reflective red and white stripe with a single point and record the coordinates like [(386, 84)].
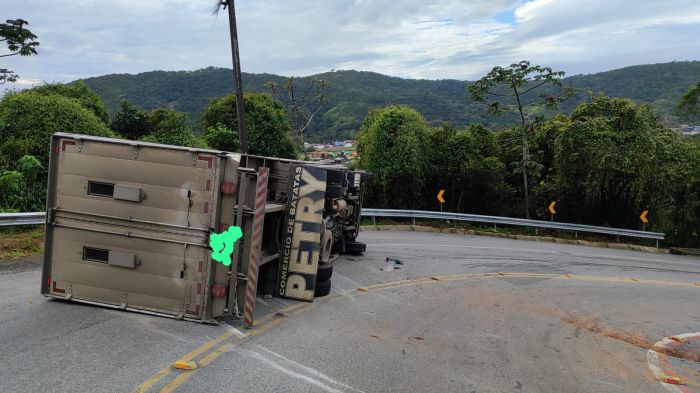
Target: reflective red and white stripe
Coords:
[(255, 247), (661, 367)]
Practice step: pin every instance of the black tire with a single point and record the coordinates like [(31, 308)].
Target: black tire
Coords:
[(355, 248), (335, 177), (324, 272), (323, 288), (333, 191)]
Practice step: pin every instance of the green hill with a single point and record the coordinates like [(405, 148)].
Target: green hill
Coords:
[(353, 93)]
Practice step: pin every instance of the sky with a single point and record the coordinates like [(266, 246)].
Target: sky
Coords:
[(429, 39)]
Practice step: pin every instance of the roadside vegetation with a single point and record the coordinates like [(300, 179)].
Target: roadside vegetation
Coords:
[(21, 243), (605, 163)]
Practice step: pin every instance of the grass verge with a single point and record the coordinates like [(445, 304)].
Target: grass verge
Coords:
[(20, 243)]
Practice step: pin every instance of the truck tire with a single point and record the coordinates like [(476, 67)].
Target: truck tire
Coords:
[(355, 248), (323, 288), (324, 272), (334, 191), (326, 246), (335, 177)]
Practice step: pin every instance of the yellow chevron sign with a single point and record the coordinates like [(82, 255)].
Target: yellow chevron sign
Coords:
[(643, 216), (439, 196)]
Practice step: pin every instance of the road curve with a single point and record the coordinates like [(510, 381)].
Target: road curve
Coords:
[(463, 314)]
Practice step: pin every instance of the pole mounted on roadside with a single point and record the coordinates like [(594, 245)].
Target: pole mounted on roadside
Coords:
[(644, 219), (440, 198), (238, 84)]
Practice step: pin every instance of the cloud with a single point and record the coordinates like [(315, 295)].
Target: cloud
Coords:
[(409, 38)]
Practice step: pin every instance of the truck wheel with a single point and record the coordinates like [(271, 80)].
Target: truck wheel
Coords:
[(326, 246), (324, 272), (323, 288), (355, 248), (335, 177), (334, 191)]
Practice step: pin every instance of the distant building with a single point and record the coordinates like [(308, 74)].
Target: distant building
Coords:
[(691, 130), (320, 155)]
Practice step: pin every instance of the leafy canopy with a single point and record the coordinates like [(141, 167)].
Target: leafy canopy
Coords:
[(28, 119), (689, 104), (170, 128), (392, 145), (269, 131), (78, 91), (506, 89), (19, 41), (130, 122)]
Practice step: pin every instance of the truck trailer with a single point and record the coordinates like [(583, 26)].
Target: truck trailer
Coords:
[(148, 227)]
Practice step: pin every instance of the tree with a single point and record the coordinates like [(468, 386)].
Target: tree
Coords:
[(19, 41), (27, 121), (303, 106), (392, 145), (170, 128), (269, 131), (222, 138), (130, 122), (689, 105), (466, 164), (508, 90), (614, 160), (78, 91), (22, 189)]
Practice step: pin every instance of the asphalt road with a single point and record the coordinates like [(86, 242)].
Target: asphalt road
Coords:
[(497, 316)]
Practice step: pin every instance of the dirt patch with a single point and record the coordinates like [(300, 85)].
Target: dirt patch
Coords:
[(592, 326), (16, 244)]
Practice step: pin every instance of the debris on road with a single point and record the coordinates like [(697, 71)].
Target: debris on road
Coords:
[(392, 263), (185, 365)]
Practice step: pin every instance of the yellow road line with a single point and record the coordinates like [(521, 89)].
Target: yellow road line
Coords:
[(149, 383), (184, 376), (166, 371), (271, 320)]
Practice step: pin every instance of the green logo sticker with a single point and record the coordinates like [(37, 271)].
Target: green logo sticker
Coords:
[(222, 244)]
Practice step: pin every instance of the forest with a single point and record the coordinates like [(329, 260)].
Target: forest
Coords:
[(604, 159), (351, 94)]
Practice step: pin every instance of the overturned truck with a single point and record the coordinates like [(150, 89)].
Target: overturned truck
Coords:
[(131, 225)]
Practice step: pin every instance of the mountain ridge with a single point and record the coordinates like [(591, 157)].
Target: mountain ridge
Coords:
[(353, 93)]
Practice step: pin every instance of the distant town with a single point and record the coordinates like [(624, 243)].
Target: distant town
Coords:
[(690, 130), (340, 152)]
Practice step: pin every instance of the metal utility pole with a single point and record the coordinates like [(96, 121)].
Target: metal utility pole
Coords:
[(238, 84)]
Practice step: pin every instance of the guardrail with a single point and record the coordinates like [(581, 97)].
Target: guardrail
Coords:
[(413, 214), (38, 218), (20, 219)]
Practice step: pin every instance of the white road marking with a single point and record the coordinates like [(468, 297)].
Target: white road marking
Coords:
[(608, 383), (355, 285), (318, 381), (309, 370), (234, 330)]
